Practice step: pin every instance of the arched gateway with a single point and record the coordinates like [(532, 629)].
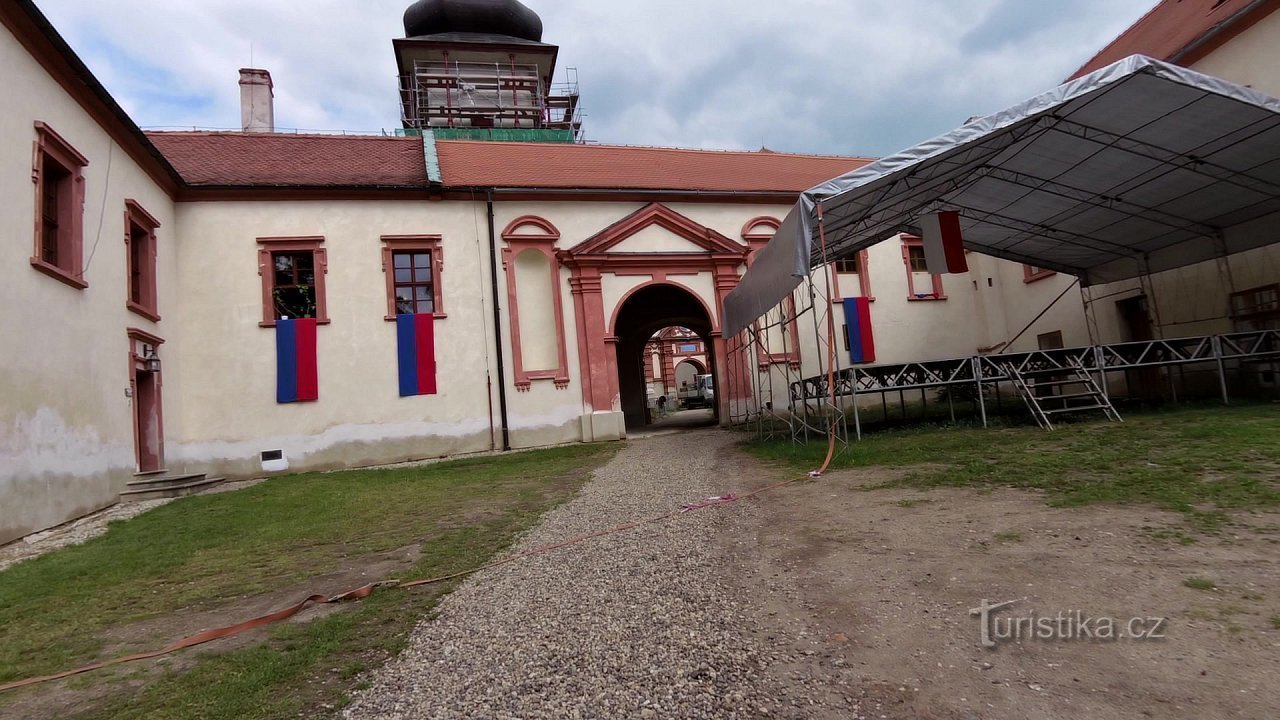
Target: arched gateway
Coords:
[(653, 269)]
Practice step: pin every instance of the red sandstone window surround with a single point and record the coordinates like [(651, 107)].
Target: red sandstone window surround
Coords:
[(59, 223), (413, 266), (1031, 273), (140, 253), (293, 271), (856, 265), (913, 260), (534, 234)]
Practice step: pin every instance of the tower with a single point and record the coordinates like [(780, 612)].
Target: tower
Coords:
[(478, 69)]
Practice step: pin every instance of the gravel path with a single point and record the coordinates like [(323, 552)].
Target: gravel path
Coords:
[(640, 624), (76, 532)]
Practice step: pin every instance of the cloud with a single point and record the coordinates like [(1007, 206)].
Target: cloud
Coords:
[(860, 77)]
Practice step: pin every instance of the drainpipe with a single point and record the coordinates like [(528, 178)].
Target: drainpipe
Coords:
[(497, 324)]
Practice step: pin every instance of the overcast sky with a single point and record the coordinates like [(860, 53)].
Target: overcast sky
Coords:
[(863, 77)]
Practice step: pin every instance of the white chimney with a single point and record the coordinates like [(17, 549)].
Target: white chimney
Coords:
[(257, 103)]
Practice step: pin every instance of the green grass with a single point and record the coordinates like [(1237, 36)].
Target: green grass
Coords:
[(202, 553), (1204, 463), (1008, 537), (1275, 622), (1200, 583)]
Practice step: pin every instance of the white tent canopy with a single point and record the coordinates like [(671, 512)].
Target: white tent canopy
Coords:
[(1137, 168)]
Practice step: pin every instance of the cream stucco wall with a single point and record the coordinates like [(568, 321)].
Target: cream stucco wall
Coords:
[(360, 418), (1251, 58), (66, 429)]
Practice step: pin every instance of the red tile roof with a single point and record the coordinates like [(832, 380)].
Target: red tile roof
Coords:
[(234, 159), (1171, 28), (536, 165), (280, 160)]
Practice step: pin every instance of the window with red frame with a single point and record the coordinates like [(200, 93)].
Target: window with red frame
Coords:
[(293, 287), (921, 284), (412, 266), (293, 273), (59, 179), (140, 244), (414, 282), (856, 266), (1031, 273)]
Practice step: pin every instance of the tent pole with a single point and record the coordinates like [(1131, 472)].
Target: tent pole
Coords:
[(1222, 368), (1150, 290), (977, 379), (857, 419)]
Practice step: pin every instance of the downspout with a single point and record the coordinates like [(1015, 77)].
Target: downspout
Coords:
[(497, 324)]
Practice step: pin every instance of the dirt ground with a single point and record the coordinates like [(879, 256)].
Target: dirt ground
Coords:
[(873, 589)]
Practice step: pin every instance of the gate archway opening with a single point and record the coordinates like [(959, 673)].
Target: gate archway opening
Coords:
[(642, 315)]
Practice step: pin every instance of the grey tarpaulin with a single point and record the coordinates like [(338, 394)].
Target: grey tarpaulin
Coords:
[(1136, 168)]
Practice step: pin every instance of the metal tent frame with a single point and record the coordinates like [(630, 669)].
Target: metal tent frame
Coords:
[(1133, 169)]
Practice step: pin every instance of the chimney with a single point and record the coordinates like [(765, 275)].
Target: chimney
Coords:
[(257, 104)]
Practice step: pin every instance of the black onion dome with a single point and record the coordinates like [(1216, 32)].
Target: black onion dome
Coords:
[(490, 17)]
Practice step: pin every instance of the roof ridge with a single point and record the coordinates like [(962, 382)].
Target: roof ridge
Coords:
[(241, 133), (1126, 31), (1137, 26), (664, 148)]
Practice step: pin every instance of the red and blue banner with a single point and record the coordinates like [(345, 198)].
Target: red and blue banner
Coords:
[(416, 351), (297, 379), (943, 244), (857, 319)]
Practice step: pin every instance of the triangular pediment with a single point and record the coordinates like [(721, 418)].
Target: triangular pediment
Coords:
[(657, 228)]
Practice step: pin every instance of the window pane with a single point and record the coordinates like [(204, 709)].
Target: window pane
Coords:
[(424, 300), (404, 275), (49, 243), (400, 259), (294, 302), (283, 262), (916, 256), (304, 260), (422, 261), (137, 262), (404, 301)]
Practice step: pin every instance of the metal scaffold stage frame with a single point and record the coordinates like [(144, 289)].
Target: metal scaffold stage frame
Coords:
[(991, 370)]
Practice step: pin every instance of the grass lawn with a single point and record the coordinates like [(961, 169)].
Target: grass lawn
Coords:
[(1202, 462), (209, 552)]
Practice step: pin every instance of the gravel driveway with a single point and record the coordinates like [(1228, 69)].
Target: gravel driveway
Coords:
[(640, 624)]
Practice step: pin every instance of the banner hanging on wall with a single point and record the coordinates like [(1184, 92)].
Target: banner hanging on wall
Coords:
[(297, 377), (416, 352)]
